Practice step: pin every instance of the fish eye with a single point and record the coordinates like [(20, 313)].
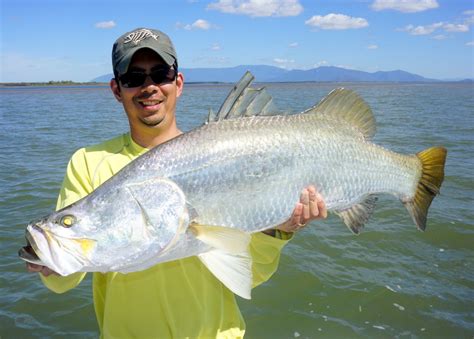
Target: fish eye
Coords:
[(67, 220)]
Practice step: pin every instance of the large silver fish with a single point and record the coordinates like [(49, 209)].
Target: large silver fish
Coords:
[(204, 192)]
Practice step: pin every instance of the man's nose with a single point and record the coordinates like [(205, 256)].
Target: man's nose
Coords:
[(149, 85)]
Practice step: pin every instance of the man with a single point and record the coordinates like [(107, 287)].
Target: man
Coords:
[(180, 298)]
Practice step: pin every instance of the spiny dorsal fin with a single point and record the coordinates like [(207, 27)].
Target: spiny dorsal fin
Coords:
[(244, 101), (347, 105), (357, 215)]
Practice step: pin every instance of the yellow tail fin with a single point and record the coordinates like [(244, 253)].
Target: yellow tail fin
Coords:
[(432, 161)]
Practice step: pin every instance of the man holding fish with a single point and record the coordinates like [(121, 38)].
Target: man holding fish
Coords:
[(175, 299)]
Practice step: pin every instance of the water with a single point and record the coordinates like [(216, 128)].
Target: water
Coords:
[(391, 281)]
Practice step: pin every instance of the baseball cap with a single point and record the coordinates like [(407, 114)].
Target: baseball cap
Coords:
[(130, 42)]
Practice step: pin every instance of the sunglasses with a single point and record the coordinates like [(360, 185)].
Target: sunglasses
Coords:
[(137, 78)]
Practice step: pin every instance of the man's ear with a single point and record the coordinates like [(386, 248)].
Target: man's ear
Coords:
[(179, 84), (114, 86)]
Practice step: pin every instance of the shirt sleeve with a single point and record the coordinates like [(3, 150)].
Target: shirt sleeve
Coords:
[(265, 251), (76, 185)]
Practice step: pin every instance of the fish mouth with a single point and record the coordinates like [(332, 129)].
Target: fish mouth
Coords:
[(62, 254), (29, 252)]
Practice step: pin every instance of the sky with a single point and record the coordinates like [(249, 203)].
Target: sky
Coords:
[(43, 40)]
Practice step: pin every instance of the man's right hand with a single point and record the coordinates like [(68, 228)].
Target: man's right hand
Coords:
[(40, 269)]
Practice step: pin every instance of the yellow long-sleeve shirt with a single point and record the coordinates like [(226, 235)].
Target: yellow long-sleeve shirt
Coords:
[(179, 299)]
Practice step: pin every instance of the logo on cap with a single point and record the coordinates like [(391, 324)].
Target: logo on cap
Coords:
[(140, 35)]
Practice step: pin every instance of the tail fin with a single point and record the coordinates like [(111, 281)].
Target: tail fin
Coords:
[(432, 161)]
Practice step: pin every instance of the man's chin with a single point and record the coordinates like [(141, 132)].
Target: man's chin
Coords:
[(151, 122)]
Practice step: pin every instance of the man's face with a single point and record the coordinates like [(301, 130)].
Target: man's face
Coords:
[(150, 104)]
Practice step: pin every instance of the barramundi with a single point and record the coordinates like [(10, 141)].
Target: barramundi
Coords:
[(206, 191)]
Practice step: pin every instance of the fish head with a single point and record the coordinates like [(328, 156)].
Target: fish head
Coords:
[(58, 241), (110, 230)]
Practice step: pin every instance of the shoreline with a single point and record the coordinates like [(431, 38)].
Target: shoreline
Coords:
[(92, 83), (52, 83)]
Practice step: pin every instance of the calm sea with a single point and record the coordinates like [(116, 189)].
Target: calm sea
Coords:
[(392, 281)]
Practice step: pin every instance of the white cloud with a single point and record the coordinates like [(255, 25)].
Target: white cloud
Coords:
[(105, 24), (258, 8), (372, 46), (428, 29), (405, 6), (470, 43), (456, 28), (293, 45), (422, 30), (336, 21), (199, 24)]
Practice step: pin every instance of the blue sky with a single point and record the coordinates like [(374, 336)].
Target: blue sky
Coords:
[(44, 40)]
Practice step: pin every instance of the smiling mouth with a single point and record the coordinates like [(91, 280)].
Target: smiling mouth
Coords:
[(150, 103)]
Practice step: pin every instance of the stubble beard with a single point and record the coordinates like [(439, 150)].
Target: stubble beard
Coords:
[(152, 123)]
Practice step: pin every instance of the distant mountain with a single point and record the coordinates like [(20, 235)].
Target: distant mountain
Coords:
[(103, 78), (265, 73), (461, 80)]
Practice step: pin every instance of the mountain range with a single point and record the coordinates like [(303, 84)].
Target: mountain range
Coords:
[(265, 73)]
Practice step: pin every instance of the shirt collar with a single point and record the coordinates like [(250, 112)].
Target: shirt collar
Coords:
[(135, 148)]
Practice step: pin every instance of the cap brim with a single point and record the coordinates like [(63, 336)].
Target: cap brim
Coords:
[(122, 66)]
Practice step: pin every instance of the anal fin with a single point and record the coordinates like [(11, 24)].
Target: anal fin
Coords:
[(357, 215)]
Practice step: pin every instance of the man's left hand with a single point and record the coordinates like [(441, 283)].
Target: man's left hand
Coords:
[(310, 207)]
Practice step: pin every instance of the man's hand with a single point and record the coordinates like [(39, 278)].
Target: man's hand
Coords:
[(40, 269), (310, 207)]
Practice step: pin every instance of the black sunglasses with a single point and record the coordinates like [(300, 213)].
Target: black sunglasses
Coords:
[(158, 75)]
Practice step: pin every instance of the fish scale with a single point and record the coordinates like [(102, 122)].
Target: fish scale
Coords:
[(253, 160)]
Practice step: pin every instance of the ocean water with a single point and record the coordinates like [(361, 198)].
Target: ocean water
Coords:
[(391, 281)]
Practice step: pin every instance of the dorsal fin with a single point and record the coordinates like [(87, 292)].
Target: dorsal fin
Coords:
[(244, 101), (347, 105)]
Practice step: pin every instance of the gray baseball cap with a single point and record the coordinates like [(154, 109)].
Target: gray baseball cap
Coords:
[(130, 42)]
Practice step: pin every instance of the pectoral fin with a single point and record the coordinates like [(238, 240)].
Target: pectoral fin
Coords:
[(158, 197), (162, 205), (230, 260)]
